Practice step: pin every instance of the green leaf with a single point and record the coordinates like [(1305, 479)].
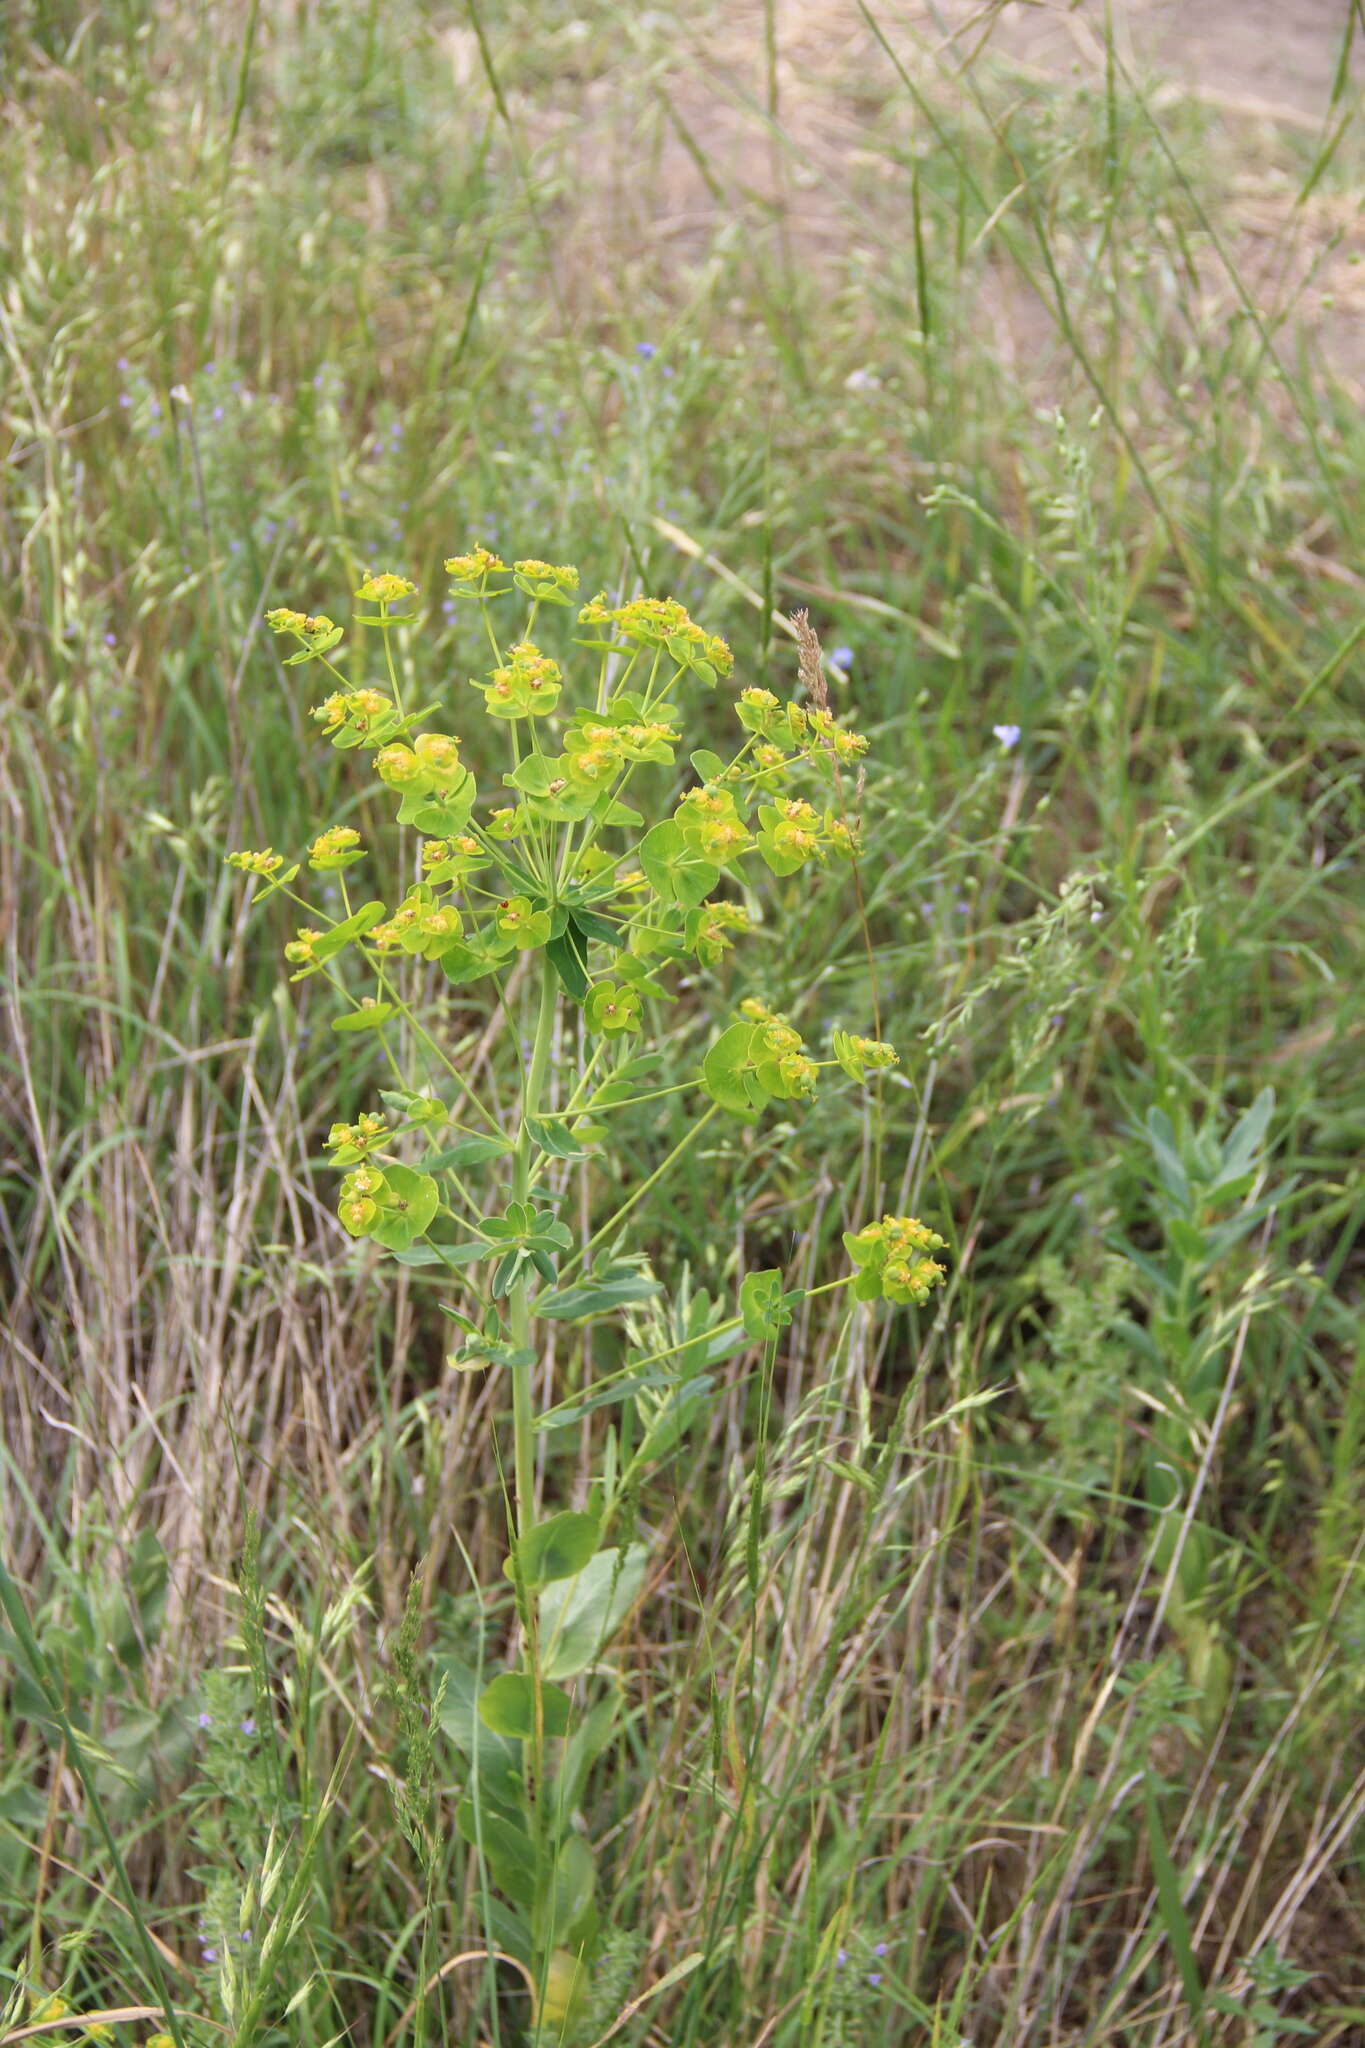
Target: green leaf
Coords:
[(568, 954), (578, 1617), (597, 1294), (506, 1844), (474, 1150), (440, 813), (495, 1759), (1162, 1139), (1172, 1909), (575, 1881), (558, 1548), (1246, 1140), (709, 766), (533, 778), (508, 1706), (554, 1138), (368, 1019), (594, 926), (581, 1751), (354, 927)]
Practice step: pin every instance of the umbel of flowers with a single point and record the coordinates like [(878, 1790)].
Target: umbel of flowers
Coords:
[(567, 866)]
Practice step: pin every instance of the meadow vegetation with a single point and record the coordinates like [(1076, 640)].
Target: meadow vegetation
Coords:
[(996, 1673)]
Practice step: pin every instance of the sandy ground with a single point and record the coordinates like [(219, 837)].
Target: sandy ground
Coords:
[(1273, 57), (669, 158)]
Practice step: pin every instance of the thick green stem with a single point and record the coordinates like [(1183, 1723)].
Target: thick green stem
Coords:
[(522, 1394)]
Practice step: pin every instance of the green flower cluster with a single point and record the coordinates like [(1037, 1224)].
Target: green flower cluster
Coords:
[(893, 1259), (560, 861)]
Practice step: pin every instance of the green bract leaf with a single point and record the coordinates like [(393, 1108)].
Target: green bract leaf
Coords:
[(728, 1075), (674, 872), (442, 813), (508, 1707), (414, 1200), (764, 1309), (551, 792), (462, 962)]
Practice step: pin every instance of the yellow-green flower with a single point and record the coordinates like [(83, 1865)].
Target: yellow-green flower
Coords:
[(893, 1259), (799, 1074), (399, 766), (527, 686), (557, 577), (335, 848), (479, 562), (612, 1010), (386, 589), (299, 951), (267, 862), (282, 620), (517, 919)]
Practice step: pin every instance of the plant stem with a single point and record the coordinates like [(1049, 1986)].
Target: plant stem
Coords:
[(522, 1397)]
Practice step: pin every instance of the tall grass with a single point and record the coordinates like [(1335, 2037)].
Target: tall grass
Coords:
[(992, 373)]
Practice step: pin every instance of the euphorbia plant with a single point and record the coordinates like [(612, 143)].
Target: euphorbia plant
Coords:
[(595, 905)]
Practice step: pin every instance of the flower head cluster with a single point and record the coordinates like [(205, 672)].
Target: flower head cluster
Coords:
[(431, 763), (351, 1142), (386, 589), (473, 567), (267, 862), (527, 685), (304, 625), (358, 718), (550, 581), (334, 849), (316, 635), (856, 1055), (362, 1193), (893, 1259), (558, 862), (663, 622), (786, 729)]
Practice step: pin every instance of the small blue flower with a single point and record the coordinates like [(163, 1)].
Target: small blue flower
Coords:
[(874, 1976), (880, 1949), (645, 349), (1008, 735), (841, 1958), (842, 657), (208, 1955), (206, 1720), (248, 1726)]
